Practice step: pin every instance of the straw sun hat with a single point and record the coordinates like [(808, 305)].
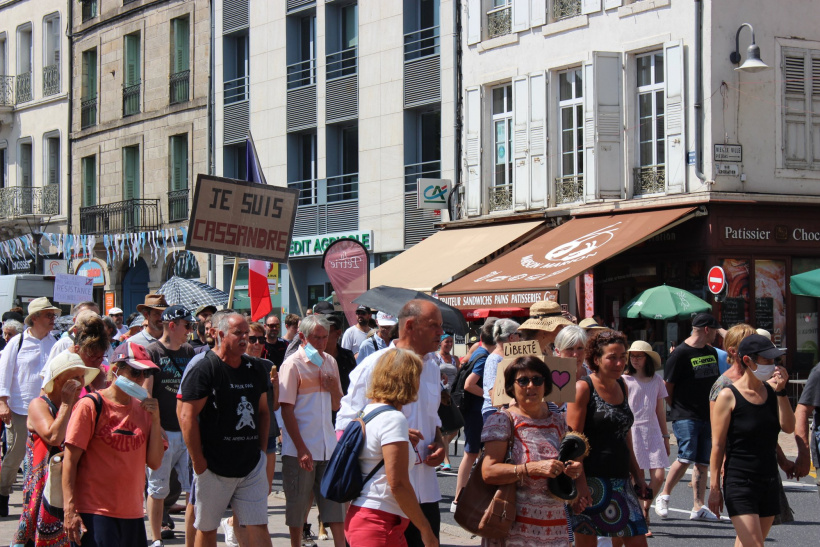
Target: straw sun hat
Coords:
[(64, 362), (545, 315), (644, 347)]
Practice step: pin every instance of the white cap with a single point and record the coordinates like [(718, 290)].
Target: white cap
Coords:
[(385, 320), (113, 311)]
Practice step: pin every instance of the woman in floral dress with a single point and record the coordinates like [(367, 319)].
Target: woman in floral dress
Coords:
[(539, 518)]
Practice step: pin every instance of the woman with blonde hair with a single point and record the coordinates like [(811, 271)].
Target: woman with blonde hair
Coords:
[(388, 503), (730, 343)]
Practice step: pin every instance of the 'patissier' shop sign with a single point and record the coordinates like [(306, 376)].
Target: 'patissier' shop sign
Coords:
[(769, 233), (316, 245)]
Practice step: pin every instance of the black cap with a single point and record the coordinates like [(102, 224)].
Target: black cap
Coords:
[(177, 312), (705, 320), (756, 344), (325, 308), (365, 309)]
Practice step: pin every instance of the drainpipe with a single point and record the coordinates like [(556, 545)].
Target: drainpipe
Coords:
[(69, 185), (699, 91), (211, 133), (453, 204)]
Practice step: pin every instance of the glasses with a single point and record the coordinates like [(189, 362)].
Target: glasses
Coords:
[(361, 312), (524, 381), (273, 325), (50, 315), (256, 339), (188, 325), (136, 373), (115, 314)]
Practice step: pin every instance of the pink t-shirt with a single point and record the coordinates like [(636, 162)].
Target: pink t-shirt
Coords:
[(110, 475)]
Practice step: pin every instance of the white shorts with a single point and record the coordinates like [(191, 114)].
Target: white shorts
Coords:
[(176, 457), (248, 497)]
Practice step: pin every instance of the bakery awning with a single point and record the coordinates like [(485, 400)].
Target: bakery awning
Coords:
[(439, 258), (533, 271)]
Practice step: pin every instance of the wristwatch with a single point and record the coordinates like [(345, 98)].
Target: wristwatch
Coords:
[(781, 393)]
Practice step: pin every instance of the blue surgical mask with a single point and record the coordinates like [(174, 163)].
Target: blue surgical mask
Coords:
[(314, 355), (131, 388)]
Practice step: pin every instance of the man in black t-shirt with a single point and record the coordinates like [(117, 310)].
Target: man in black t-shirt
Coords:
[(690, 372), (275, 347), (224, 418), (171, 353)]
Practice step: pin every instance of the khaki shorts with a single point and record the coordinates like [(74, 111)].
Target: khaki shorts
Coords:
[(248, 497), (298, 485)]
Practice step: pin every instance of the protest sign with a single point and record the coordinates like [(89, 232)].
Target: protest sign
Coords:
[(512, 351), (73, 289), (562, 371)]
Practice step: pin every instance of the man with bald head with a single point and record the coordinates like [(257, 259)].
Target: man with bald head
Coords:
[(419, 331)]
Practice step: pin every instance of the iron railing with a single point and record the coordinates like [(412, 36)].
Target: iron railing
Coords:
[(301, 73), (499, 21), (180, 86), (6, 90), (178, 205), (501, 198), (88, 112), (342, 63), (569, 189), (24, 91), (51, 80), (308, 194), (131, 99), (649, 179), (18, 201), (89, 9), (236, 90), (133, 215), (422, 43), (564, 9), (343, 187), (424, 170)]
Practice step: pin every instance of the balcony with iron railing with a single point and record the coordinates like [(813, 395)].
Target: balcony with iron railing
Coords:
[(6, 90), (424, 170), (327, 205), (133, 215), (89, 9), (301, 73), (308, 191), (179, 86), (564, 9), (422, 43), (343, 187), (649, 179), (51, 80), (499, 21), (178, 205), (19, 201), (24, 91), (500, 198), (569, 189), (88, 112), (236, 90), (131, 99), (342, 63)]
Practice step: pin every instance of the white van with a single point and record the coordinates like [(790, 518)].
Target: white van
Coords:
[(20, 289)]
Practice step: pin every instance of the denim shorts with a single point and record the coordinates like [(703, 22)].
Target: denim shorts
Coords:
[(694, 441)]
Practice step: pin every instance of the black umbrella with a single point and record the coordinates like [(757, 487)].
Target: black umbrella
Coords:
[(392, 299)]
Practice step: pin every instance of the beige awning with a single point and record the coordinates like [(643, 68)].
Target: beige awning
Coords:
[(439, 258)]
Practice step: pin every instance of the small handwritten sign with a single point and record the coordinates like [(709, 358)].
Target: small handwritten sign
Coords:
[(73, 289), (512, 351), (563, 371)]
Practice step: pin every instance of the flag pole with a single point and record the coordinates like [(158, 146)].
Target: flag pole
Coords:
[(233, 282), (295, 290)]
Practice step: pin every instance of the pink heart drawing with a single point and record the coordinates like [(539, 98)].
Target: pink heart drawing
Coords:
[(560, 378)]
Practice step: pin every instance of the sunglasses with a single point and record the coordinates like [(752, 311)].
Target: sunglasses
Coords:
[(256, 339), (361, 313), (136, 373), (273, 325), (524, 381)]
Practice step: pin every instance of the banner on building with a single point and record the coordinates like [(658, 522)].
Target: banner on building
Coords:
[(347, 264), (242, 219)]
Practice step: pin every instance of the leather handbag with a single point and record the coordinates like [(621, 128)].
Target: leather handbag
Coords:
[(451, 418), (488, 510), (53, 491)]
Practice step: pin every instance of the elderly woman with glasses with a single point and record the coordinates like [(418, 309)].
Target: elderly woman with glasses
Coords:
[(540, 519), (111, 435)]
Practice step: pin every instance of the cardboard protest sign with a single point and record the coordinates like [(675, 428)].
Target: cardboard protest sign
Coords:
[(563, 371), (73, 289), (242, 219), (512, 351)]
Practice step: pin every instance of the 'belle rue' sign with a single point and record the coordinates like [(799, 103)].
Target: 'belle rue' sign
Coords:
[(316, 245)]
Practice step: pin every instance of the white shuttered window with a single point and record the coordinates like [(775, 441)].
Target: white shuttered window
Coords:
[(801, 108)]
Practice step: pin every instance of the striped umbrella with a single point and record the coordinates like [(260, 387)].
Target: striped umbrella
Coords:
[(192, 294)]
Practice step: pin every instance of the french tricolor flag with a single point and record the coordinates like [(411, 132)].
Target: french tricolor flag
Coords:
[(258, 289)]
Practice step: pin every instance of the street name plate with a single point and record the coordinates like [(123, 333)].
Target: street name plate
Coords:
[(727, 169), (728, 152)]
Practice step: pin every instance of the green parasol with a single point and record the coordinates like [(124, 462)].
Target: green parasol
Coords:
[(806, 284), (664, 302)]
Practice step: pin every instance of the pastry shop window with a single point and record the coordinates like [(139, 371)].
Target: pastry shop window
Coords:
[(806, 340)]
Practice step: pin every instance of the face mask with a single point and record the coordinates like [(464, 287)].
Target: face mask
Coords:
[(764, 372), (314, 355), (131, 388)]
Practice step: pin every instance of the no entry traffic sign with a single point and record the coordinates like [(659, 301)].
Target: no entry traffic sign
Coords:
[(716, 279)]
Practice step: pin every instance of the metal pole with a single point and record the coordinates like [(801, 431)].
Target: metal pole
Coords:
[(233, 282), (295, 289)]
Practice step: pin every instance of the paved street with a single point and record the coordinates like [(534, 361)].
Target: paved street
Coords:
[(676, 531)]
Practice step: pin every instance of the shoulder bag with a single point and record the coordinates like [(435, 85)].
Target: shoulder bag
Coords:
[(488, 510)]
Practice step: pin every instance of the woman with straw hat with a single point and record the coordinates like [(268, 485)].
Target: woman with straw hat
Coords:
[(546, 319), (650, 437), (47, 423)]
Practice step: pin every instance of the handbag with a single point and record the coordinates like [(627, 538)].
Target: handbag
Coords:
[(451, 418), (53, 491), (487, 510)]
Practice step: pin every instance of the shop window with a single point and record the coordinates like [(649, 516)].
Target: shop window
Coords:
[(770, 298), (806, 310), (735, 307)]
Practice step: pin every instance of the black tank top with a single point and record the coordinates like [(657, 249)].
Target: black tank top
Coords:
[(751, 442), (606, 426)]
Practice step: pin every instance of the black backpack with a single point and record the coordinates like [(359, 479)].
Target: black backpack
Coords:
[(464, 399)]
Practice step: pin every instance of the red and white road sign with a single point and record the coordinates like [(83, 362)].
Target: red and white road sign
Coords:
[(716, 279)]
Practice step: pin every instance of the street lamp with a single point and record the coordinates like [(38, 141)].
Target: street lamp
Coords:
[(752, 62)]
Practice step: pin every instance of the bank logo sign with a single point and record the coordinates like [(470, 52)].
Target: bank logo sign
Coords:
[(432, 193)]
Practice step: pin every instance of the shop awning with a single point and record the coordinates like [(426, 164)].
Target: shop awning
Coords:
[(534, 271), (433, 262)]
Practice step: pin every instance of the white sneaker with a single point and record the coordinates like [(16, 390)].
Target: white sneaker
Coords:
[(704, 514), (158, 543), (453, 507), (230, 537), (662, 506)]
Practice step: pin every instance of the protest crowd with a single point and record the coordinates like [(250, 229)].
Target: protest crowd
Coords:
[(205, 400)]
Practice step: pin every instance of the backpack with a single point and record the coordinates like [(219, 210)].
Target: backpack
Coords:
[(342, 481), (463, 399)]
